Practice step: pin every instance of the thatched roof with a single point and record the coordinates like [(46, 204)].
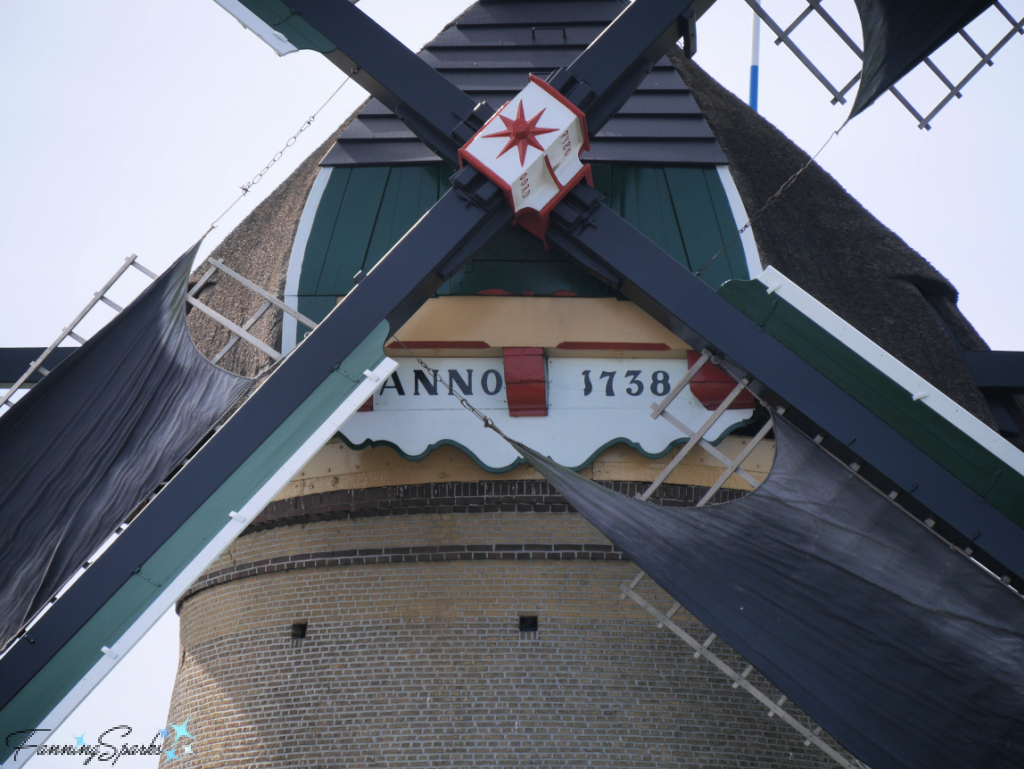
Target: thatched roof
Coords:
[(259, 249), (819, 236)]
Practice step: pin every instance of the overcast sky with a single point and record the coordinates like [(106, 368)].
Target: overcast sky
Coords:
[(128, 127)]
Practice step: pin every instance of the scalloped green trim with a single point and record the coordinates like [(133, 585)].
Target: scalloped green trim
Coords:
[(370, 443)]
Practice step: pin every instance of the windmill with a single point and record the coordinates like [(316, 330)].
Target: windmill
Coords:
[(480, 209)]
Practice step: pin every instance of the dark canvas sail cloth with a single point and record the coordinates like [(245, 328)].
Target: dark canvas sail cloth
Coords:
[(899, 34), (902, 649), (81, 449)]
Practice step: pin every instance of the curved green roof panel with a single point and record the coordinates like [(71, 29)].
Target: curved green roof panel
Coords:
[(363, 211)]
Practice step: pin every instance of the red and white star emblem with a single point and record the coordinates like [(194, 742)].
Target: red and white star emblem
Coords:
[(520, 132)]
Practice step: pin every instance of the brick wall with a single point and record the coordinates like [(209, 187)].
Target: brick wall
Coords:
[(415, 659)]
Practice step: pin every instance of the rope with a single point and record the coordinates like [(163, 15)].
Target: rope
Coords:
[(488, 422), (785, 186)]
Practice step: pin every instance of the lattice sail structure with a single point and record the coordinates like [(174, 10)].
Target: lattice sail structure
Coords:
[(997, 14)]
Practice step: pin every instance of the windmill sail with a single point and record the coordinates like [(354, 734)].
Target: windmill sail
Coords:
[(899, 35), (904, 650), (85, 446)]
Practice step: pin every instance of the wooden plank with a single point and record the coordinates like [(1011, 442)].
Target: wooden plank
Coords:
[(656, 208), (235, 329), (581, 34), (727, 226), (630, 200), (697, 222), (529, 13), (271, 299), (407, 208), (320, 233), (663, 198), (517, 278), (352, 230), (380, 237)]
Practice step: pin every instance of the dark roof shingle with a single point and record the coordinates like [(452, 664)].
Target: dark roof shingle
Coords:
[(490, 52)]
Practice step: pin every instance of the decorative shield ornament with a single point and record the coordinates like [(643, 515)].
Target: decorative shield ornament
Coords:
[(531, 149)]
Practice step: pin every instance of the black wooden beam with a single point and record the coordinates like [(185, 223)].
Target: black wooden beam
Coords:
[(15, 361), (998, 372), (601, 241), (437, 111), (600, 81), (605, 75)]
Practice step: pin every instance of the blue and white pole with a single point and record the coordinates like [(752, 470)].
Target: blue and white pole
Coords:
[(755, 55)]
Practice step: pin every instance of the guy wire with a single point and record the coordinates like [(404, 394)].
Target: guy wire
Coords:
[(488, 422), (277, 156), (785, 186)]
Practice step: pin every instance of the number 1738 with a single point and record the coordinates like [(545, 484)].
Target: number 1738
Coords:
[(634, 384)]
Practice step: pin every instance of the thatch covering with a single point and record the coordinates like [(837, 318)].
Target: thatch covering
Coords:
[(259, 249), (819, 236)]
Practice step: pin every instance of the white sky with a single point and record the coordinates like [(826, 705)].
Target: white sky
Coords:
[(127, 127)]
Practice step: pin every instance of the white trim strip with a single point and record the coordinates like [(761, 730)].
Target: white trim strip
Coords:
[(258, 27), (289, 327), (739, 214), (917, 388), (234, 524)]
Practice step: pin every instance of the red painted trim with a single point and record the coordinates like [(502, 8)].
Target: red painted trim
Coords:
[(537, 222), (568, 105), (711, 386), (439, 345), (547, 162), (644, 346), (480, 130), (525, 382)]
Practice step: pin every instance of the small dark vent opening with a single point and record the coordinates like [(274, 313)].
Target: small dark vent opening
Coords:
[(299, 629), (527, 624)]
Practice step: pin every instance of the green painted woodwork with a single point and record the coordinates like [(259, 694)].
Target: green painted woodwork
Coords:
[(73, 662), (353, 229), (364, 211), (322, 232), (282, 18), (982, 471), (315, 308), (515, 262), (410, 193), (728, 230)]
